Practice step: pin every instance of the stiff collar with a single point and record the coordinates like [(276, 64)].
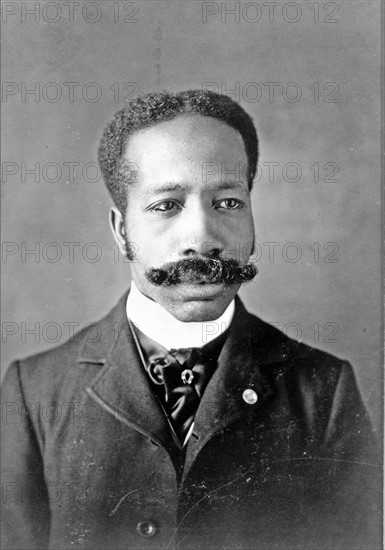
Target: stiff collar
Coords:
[(157, 323)]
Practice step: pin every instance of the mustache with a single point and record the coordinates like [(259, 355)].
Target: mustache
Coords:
[(211, 270)]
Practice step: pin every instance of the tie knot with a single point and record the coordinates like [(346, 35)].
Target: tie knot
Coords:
[(175, 367), (186, 357)]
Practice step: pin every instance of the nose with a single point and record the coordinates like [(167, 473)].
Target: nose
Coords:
[(198, 233)]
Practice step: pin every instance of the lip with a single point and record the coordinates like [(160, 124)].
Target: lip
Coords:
[(201, 291)]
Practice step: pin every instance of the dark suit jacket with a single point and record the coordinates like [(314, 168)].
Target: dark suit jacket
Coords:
[(89, 456)]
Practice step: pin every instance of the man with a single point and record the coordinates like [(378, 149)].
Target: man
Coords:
[(181, 420)]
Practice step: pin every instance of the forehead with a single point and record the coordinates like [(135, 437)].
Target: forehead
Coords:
[(183, 148)]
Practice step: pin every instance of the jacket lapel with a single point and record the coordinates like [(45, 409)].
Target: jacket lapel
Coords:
[(241, 366), (121, 386)]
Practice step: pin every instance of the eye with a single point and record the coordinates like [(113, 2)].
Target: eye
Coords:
[(229, 204), (165, 206)]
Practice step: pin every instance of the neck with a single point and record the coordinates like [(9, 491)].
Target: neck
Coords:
[(157, 323)]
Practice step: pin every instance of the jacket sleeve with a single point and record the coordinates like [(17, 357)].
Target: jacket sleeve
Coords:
[(25, 507), (348, 430), (350, 470)]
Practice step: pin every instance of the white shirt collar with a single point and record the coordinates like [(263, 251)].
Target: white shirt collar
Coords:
[(157, 323)]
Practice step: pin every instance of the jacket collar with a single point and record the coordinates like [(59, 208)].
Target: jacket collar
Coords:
[(121, 386)]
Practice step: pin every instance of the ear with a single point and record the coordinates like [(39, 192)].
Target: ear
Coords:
[(118, 229)]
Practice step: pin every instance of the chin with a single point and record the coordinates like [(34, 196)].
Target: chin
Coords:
[(191, 304), (198, 311)]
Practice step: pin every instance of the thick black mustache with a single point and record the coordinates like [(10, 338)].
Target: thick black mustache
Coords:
[(214, 270)]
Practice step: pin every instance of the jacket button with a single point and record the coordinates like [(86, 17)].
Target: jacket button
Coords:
[(250, 397), (146, 528)]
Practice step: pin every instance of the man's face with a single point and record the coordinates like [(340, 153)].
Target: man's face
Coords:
[(185, 205)]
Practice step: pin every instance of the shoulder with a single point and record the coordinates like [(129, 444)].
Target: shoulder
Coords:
[(319, 386), (307, 373), (47, 373), (275, 347)]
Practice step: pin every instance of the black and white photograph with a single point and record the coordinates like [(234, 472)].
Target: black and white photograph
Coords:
[(192, 302)]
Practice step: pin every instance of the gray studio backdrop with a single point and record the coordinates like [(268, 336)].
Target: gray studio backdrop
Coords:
[(308, 73)]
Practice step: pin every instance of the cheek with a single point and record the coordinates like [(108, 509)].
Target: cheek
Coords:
[(245, 239), (243, 229), (138, 232), (150, 249)]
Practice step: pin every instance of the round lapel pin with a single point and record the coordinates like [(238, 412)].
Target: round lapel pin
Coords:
[(249, 396)]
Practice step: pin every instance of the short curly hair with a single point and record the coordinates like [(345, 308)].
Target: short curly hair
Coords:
[(150, 109)]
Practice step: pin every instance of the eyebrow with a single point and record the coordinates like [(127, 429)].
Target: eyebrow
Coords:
[(169, 187), (234, 185)]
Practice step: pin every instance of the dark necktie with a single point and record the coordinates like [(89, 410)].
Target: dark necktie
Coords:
[(179, 377), (184, 377)]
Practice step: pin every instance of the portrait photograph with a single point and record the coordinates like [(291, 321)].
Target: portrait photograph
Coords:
[(192, 301)]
